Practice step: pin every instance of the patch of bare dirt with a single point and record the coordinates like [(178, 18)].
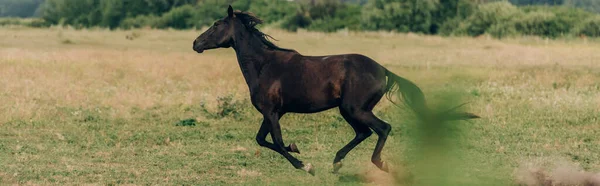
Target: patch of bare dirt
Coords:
[(561, 174), (248, 173), (374, 176), (239, 149)]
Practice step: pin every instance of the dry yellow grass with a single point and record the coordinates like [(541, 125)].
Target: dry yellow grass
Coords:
[(103, 68)]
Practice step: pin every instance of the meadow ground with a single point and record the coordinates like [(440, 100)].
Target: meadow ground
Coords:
[(110, 107)]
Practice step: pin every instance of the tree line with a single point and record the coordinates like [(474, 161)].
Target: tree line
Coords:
[(499, 18), (19, 8)]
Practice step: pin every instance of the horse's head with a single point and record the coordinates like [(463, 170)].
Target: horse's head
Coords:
[(219, 35)]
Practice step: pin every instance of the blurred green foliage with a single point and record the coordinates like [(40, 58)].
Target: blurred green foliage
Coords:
[(498, 18), (19, 8)]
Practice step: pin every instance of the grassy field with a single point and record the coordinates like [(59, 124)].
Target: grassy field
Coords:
[(107, 107)]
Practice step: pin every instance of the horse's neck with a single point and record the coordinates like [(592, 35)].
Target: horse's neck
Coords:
[(251, 65), (251, 60)]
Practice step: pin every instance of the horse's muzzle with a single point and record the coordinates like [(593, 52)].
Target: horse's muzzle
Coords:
[(196, 48)]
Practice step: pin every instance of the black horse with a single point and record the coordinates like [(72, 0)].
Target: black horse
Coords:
[(282, 80)]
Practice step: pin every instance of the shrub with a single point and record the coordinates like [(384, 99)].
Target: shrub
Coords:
[(79, 13), (453, 27), (105, 13), (207, 11), (227, 107), (489, 14), (550, 21), (178, 18), (503, 29), (450, 14), (423, 16), (540, 24), (344, 16), (38, 23), (380, 15), (292, 23), (139, 22), (589, 27), (273, 10), (327, 16), (10, 21)]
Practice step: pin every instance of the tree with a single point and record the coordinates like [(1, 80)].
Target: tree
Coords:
[(590, 5), (537, 2), (272, 10), (423, 16), (19, 8)]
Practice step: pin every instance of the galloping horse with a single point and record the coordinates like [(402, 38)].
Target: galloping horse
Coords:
[(284, 81)]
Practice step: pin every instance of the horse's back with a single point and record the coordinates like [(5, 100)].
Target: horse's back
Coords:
[(315, 83)]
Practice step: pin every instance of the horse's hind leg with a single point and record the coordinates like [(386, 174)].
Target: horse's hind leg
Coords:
[(381, 128), (359, 104), (362, 132)]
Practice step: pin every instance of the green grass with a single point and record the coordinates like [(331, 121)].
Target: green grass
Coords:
[(105, 109)]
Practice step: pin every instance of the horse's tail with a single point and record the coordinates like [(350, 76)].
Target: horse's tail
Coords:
[(413, 97)]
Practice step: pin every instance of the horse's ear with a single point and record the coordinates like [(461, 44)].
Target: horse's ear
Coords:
[(230, 11)]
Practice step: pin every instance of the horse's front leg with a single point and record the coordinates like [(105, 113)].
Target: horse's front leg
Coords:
[(262, 135), (271, 120)]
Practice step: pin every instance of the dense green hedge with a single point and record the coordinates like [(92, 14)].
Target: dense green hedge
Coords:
[(498, 18)]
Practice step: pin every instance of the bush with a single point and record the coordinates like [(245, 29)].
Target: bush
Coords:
[(589, 27), (343, 16), (380, 15), (38, 23), (550, 21), (449, 14), (488, 15), (227, 107), (292, 23), (454, 27), (502, 19), (327, 16), (273, 10), (10, 21), (207, 11), (79, 13), (422, 16), (328, 24), (139, 22), (503, 29), (540, 24), (178, 18), (105, 13)]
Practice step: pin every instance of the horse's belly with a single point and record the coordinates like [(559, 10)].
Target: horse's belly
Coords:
[(310, 104)]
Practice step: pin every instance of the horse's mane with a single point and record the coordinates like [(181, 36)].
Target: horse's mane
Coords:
[(250, 21)]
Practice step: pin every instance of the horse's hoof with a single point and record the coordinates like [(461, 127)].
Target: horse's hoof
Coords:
[(294, 148), (337, 166), (309, 168), (383, 166)]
